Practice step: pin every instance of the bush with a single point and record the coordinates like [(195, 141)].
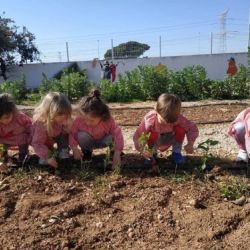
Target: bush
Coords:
[(16, 88), (190, 83), (233, 87), (109, 91), (155, 81), (72, 84)]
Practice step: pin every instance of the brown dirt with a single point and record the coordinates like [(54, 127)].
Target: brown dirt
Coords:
[(86, 209)]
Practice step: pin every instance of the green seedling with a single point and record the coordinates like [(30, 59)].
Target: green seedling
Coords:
[(206, 155), (3, 153), (107, 159), (52, 153), (143, 139)]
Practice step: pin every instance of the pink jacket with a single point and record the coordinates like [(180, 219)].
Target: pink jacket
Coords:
[(98, 132), (17, 132), (41, 141), (244, 117), (150, 124)]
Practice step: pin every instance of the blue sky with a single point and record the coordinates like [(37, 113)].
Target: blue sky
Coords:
[(185, 26)]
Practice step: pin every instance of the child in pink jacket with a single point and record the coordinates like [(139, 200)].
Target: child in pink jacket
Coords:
[(164, 127), (14, 127), (51, 123), (94, 127), (240, 130)]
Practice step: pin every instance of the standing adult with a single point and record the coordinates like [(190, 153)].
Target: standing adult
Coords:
[(106, 71), (113, 70), (232, 68)]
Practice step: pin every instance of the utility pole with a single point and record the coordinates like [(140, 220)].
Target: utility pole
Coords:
[(67, 50), (112, 49), (160, 45), (199, 42), (249, 31), (223, 31), (59, 56), (211, 43), (98, 49)]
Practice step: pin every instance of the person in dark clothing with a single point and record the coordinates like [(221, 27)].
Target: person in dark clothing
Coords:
[(106, 70), (3, 69)]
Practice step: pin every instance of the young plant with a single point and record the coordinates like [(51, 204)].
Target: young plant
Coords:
[(206, 155), (233, 188), (2, 152), (143, 139), (52, 153), (100, 186), (109, 154)]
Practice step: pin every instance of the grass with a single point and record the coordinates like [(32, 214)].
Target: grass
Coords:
[(22, 174), (100, 185), (181, 178), (234, 187)]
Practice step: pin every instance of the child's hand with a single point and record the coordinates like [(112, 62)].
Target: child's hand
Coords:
[(116, 159), (146, 154), (52, 162), (77, 153), (189, 148)]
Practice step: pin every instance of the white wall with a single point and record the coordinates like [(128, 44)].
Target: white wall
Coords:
[(215, 65)]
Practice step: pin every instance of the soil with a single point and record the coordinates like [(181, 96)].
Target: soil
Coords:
[(83, 207)]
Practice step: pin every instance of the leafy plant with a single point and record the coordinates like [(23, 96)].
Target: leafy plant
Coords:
[(100, 185), (2, 149), (143, 139), (72, 84), (206, 155), (234, 187), (16, 88)]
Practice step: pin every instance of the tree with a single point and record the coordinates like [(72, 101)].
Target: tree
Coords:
[(130, 49), (16, 47)]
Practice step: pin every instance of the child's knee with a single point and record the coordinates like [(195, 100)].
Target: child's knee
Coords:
[(179, 133), (83, 137), (239, 127)]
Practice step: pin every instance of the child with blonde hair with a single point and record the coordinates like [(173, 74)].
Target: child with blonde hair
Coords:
[(15, 127), (94, 127), (239, 129), (51, 123), (164, 127)]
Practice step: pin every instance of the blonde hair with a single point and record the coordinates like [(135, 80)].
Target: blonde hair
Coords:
[(168, 107), (53, 104)]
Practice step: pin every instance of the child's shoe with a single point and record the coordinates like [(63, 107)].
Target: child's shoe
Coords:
[(178, 158), (63, 154), (242, 156), (87, 156), (43, 162)]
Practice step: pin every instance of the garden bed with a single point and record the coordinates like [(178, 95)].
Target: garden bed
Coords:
[(83, 208)]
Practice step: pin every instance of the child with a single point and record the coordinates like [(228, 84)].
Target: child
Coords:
[(163, 127), (240, 131), (14, 127), (94, 127), (51, 125)]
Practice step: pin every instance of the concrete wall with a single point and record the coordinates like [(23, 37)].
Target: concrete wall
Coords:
[(215, 65)]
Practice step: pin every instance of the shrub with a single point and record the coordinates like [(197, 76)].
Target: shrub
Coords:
[(72, 84), (16, 88)]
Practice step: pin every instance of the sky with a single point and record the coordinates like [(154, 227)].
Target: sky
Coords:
[(183, 26)]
